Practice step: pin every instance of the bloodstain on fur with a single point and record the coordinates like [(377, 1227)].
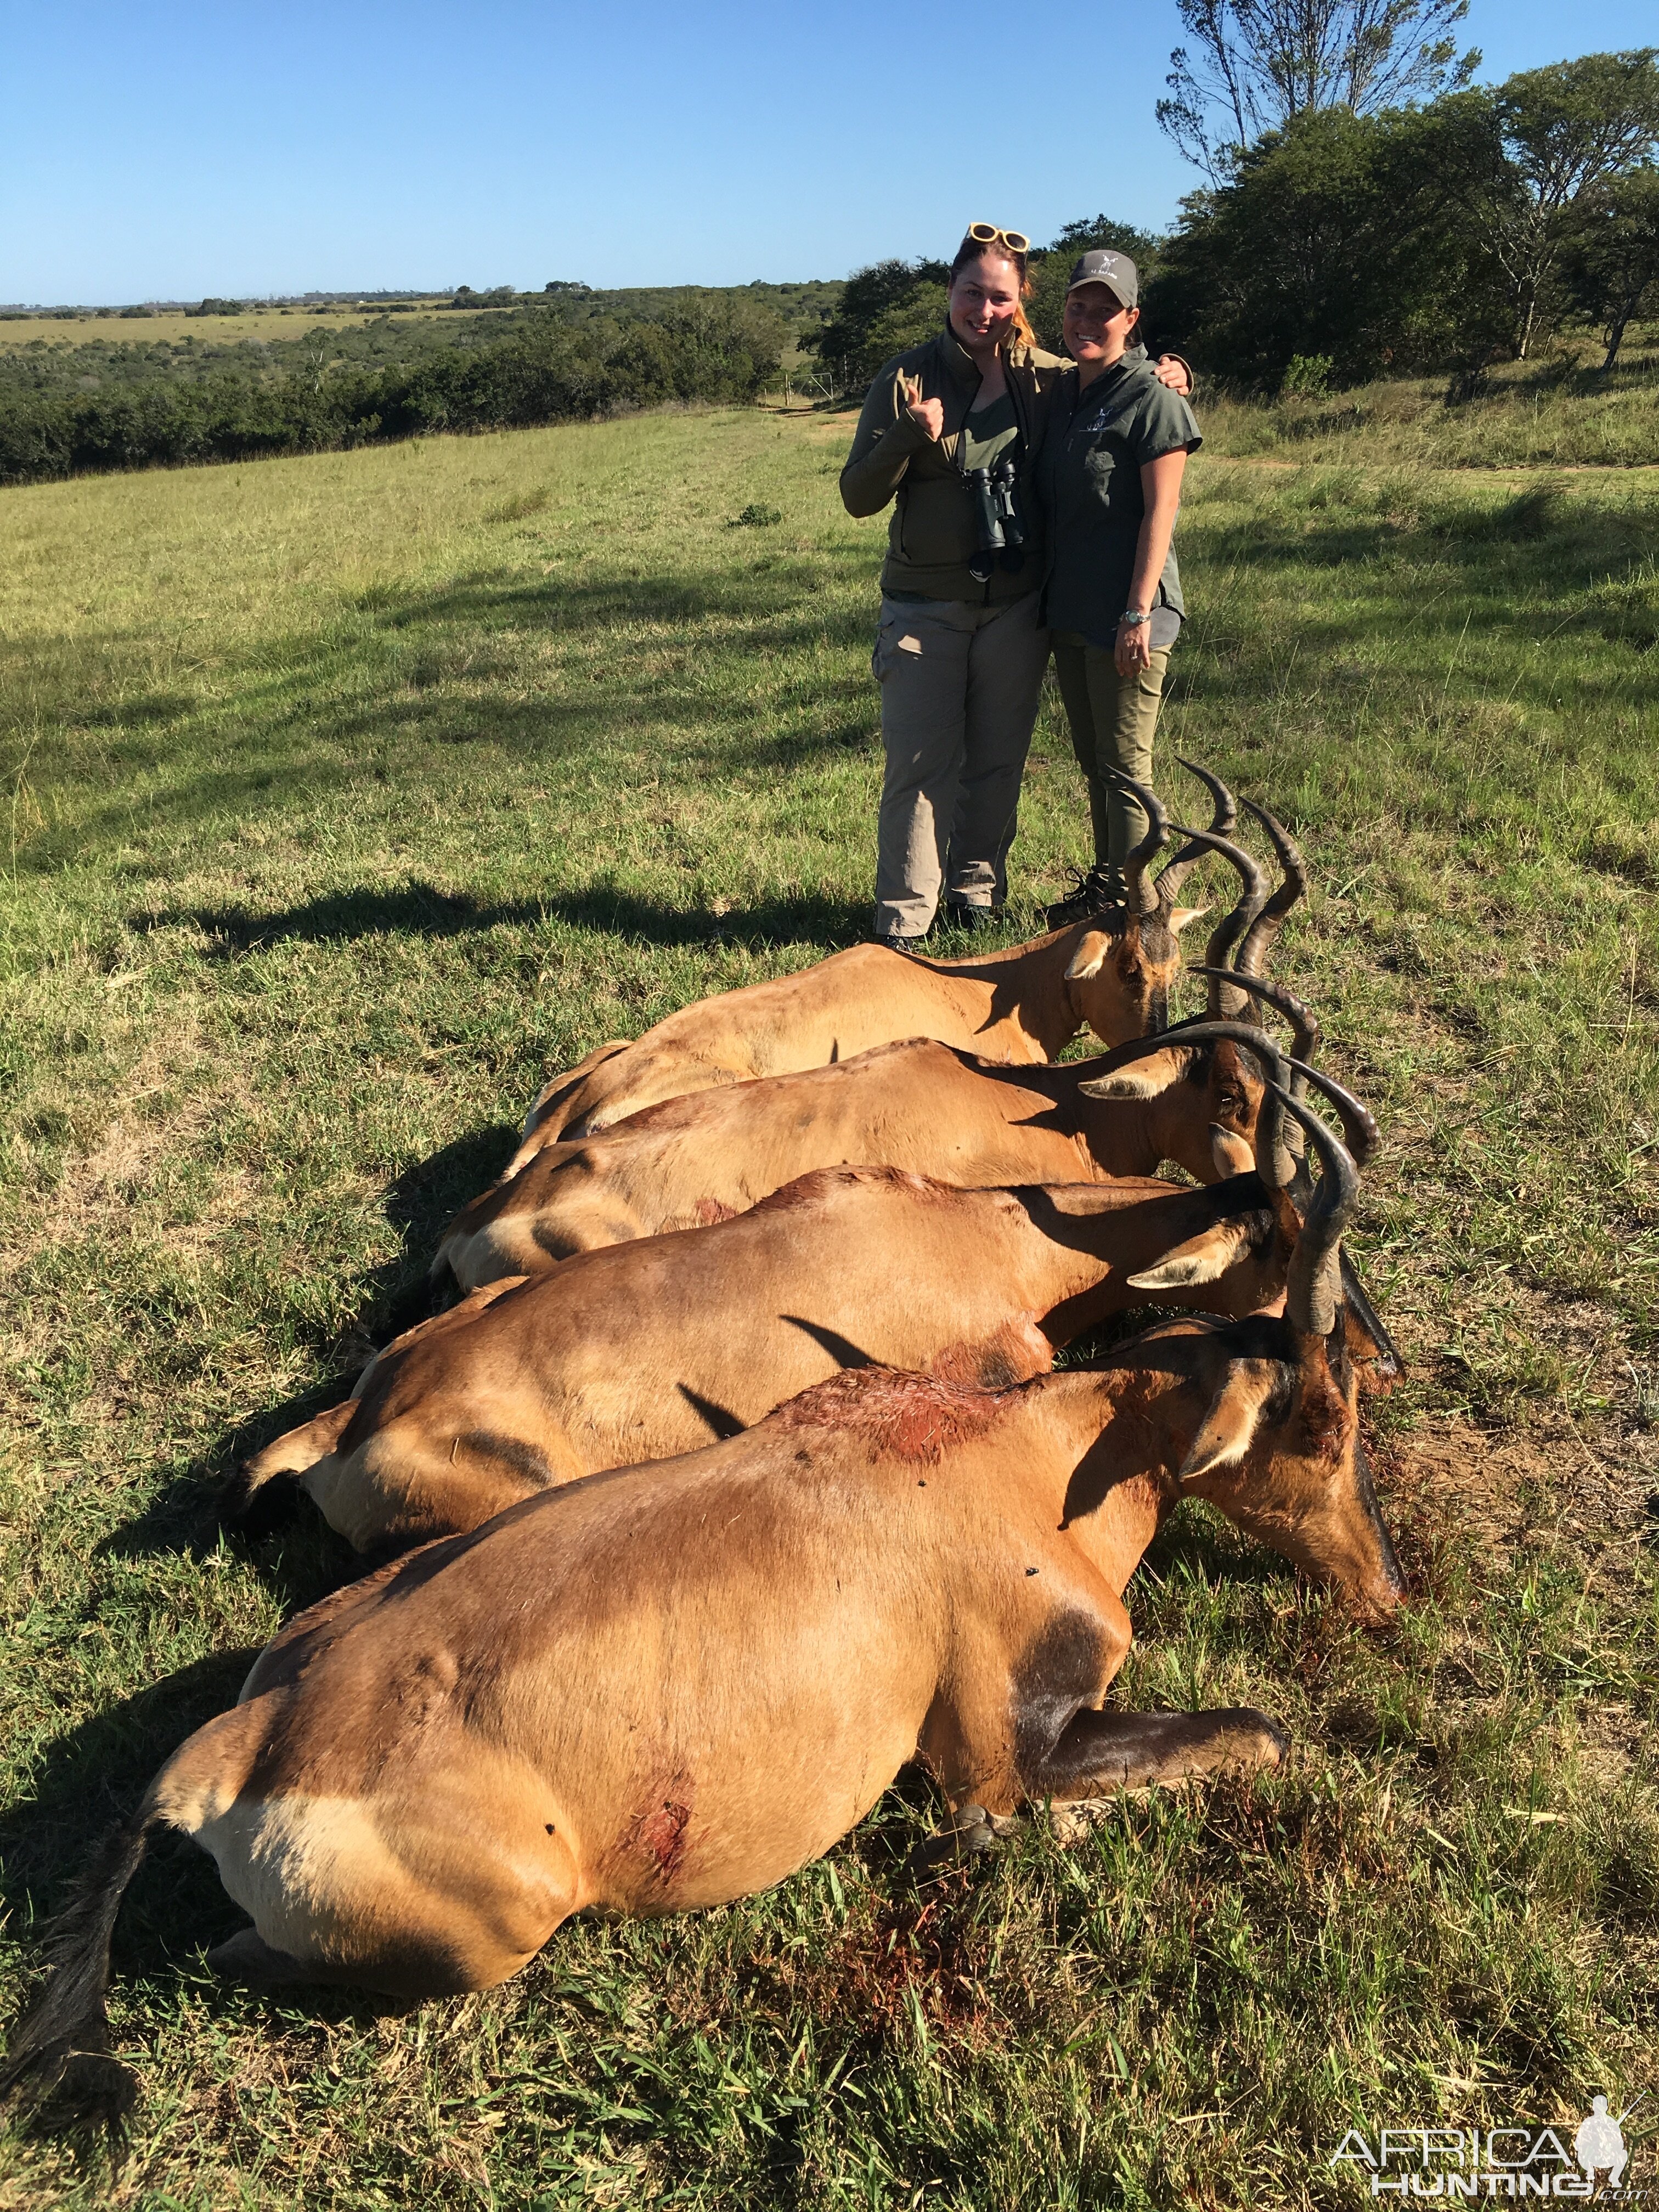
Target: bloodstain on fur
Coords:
[(662, 1833), (810, 1189), (708, 1211), (913, 1417)]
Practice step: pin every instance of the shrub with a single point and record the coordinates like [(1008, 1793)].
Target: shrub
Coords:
[(1307, 376)]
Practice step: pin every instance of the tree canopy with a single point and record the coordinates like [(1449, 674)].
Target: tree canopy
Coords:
[(1252, 66)]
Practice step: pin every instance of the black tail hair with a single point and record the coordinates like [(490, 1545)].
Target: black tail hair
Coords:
[(60, 2048), (254, 1508)]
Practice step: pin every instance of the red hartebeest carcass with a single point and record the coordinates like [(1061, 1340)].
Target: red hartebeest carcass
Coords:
[(932, 1109), (670, 1686), (1110, 974), (642, 1350)]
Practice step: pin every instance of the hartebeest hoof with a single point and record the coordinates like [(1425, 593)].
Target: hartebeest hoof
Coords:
[(970, 1831)]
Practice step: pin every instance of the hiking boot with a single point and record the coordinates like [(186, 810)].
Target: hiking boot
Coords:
[(1091, 894), (959, 914), (891, 941)]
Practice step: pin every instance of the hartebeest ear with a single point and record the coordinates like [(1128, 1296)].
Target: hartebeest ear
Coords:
[(1182, 917), (1142, 1078), (1202, 1259), (1089, 957), (1232, 1154), (1228, 1430)]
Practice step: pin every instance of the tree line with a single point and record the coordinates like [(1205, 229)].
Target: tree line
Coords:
[(1338, 237), (247, 402)]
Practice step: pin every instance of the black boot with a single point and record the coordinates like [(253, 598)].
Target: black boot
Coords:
[(959, 914), (1093, 894)]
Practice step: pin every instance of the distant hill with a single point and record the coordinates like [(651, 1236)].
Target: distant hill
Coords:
[(803, 305)]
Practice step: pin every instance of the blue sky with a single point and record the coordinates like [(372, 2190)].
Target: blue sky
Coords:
[(154, 151)]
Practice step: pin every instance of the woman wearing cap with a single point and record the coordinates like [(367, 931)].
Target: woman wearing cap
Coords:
[(960, 648), (1111, 471)]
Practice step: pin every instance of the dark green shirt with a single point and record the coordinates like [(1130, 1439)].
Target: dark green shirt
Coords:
[(988, 431), (1099, 439)]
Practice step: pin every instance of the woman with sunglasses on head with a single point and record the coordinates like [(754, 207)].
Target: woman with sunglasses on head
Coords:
[(950, 433), (1110, 480)]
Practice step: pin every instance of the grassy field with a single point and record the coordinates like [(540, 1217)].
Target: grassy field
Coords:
[(256, 322), (1560, 409), (346, 797)]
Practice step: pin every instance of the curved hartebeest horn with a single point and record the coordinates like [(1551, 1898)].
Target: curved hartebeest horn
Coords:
[(1305, 1042), (1224, 816), (1222, 1002), (1265, 924), (1305, 1022), (1314, 1289), (1140, 892), (1145, 897), (1360, 1135), (1359, 1131), (1252, 1040)]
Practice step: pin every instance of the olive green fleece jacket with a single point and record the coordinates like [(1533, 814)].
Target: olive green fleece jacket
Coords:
[(932, 537)]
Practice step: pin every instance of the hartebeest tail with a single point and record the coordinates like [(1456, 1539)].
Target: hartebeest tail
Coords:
[(605, 1699), (63, 2043)]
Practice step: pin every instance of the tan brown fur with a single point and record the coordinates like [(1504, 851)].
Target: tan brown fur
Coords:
[(669, 1686), (920, 1105), (1021, 1006), (655, 1346)]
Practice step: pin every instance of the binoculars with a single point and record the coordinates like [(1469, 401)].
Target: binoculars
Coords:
[(1000, 532)]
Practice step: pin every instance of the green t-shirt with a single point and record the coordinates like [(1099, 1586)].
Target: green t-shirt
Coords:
[(987, 431), (1098, 441)]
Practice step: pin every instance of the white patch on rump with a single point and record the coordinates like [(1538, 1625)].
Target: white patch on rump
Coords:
[(309, 1871)]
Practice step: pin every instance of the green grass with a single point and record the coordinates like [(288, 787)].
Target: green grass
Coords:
[(1557, 410), (345, 797)]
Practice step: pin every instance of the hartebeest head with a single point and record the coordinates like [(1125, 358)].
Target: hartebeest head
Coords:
[(1278, 1447), (1220, 1073), (1119, 977)]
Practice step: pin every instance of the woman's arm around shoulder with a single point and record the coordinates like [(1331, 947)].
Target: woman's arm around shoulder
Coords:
[(1163, 422), (895, 423)]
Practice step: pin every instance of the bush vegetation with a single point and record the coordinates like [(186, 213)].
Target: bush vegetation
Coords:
[(1449, 237), (101, 405)]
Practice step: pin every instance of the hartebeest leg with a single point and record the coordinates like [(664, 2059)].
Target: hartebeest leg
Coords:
[(1098, 1752)]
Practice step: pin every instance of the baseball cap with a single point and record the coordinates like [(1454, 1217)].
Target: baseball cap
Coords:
[(1115, 270)]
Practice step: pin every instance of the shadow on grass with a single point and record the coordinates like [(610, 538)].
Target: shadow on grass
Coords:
[(810, 920), (408, 666), (421, 910), (416, 909), (297, 1555), (94, 1775)]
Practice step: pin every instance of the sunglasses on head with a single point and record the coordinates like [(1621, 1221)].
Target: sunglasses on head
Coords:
[(987, 234)]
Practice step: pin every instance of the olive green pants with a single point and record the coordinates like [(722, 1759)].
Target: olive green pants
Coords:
[(1112, 719)]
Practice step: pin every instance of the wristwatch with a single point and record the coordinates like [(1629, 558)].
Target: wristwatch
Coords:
[(1130, 620)]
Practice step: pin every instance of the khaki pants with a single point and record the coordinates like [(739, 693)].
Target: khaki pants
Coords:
[(959, 687), (1112, 718)]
